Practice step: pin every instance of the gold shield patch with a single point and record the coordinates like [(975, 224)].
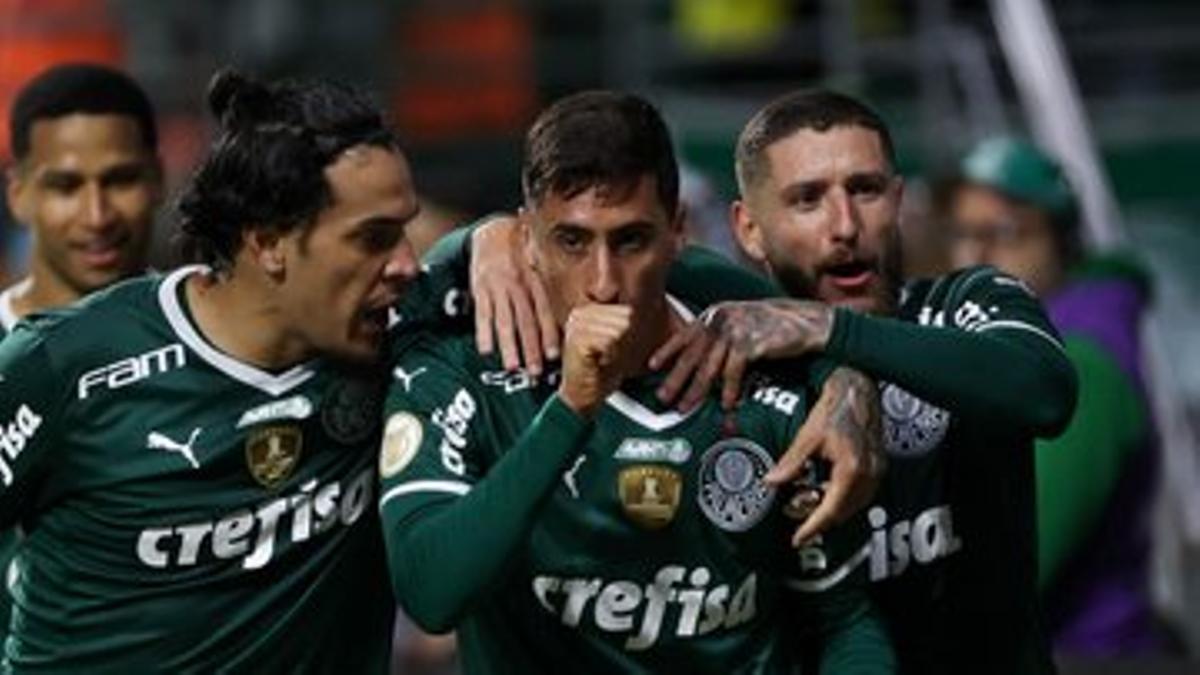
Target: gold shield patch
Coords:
[(273, 453), (649, 494)]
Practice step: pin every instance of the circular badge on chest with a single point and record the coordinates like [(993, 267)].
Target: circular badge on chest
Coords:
[(732, 495), (911, 426), (350, 411)]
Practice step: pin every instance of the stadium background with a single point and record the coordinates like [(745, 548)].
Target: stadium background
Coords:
[(462, 78)]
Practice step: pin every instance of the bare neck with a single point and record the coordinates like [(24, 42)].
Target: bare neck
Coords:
[(238, 317)]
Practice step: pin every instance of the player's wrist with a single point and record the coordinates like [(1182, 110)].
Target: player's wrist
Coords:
[(582, 405)]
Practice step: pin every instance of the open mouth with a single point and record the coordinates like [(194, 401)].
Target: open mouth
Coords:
[(374, 320), (852, 274)]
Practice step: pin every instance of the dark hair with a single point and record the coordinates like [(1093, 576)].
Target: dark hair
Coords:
[(266, 167), (596, 138), (816, 109), (79, 88)]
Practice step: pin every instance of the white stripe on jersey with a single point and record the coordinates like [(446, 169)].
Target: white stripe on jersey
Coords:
[(443, 486), (829, 580), (1021, 325), (8, 316), (275, 385)]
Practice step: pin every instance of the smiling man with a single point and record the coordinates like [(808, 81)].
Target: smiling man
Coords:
[(86, 180), (192, 454)]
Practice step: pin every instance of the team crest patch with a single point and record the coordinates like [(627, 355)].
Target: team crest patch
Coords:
[(273, 453), (732, 493), (351, 411), (649, 494), (911, 426), (401, 439)]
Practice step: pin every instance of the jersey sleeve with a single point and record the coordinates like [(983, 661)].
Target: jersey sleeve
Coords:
[(986, 352), (701, 276), (32, 401), (443, 476)]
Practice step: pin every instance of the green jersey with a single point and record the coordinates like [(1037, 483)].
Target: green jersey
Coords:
[(9, 538), (183, 510), (641, 541), (952, 548)]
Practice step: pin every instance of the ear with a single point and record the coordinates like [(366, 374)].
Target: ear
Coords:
[(265, 247), (15, 190), (747, 232)]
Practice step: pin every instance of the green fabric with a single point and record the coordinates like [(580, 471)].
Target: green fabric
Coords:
[(1011, 375), (952, 549), (705, 277), (438, 577), (1113, 265), (1077, 471), (555, 546), (181, 515)]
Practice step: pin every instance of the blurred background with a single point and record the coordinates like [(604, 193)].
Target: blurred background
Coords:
[(1110, 87)]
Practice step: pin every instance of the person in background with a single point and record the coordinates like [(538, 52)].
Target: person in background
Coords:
[(86, 181), (1012, 208)]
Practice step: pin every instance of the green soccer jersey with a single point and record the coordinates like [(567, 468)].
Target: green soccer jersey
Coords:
[(9, 537), (642, 541), (952, 546), (185, 511)]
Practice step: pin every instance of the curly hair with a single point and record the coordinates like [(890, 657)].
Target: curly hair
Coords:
[(266, 167)]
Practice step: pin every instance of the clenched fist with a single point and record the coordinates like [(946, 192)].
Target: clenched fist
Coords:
[(595, 355)]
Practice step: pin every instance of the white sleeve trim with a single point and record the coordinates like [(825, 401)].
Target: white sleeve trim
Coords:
[(442, 486), (830, 580), (1021, 325)]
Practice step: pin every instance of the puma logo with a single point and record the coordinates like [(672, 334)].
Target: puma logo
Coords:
[(406, 377), (157, 441)]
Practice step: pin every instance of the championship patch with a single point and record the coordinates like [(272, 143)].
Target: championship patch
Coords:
[(273, 453), (732, 493), (667, 450), (649, 494), (350, 411), (911, 426), (401, 438)]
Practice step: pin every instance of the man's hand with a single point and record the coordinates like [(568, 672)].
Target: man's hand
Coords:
[(844, 428), (511, 307), (595, 357), (730, 335)]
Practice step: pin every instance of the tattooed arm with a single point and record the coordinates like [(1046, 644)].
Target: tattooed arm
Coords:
[(844, 429), (729, 336)]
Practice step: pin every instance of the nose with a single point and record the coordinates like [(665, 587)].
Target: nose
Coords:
[(98, 213), (846, 223), (402, 264), (602, 285)]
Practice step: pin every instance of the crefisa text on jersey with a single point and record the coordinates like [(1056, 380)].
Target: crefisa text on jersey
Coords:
[(623, 606), (251, 535)]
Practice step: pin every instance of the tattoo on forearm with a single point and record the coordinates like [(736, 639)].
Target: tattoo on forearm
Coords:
[(856, 413), (771, 328)]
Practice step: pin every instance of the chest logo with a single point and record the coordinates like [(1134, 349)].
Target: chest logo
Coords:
[(406, 378), (649, 494), (273, 453), (159, 441), (732, 494), (351, 411), (911, 426)]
